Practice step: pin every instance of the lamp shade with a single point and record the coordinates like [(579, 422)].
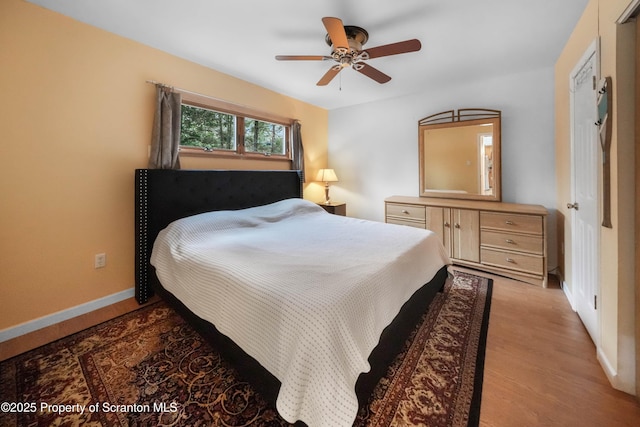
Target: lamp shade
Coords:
[(326, 175)]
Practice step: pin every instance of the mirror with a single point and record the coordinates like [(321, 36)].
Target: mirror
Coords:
[(460, 155)]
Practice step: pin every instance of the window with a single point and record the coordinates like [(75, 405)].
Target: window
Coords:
[(264, 137), (207, 129), (221, 128)]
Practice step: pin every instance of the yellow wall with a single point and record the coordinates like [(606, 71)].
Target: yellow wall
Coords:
[(617, 261), (76, 121)]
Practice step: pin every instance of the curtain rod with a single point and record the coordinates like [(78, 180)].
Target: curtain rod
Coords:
[(186, 91), (246, 107)]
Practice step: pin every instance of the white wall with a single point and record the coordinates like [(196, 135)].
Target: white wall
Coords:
[(374, 147)]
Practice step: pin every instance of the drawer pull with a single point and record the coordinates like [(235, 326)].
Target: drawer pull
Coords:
[(404, 211), (509, 222), (511, 242), (446, 224), (511, 260), (457, 225)]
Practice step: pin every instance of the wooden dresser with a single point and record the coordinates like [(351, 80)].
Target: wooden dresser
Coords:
[(504, 238)]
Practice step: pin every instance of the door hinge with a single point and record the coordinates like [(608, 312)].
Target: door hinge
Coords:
[(595, 302), (593, 79)]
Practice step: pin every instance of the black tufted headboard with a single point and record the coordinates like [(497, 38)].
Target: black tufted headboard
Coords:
[(164, 195)]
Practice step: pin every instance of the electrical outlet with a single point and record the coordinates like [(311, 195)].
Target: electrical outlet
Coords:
[(100, 261)]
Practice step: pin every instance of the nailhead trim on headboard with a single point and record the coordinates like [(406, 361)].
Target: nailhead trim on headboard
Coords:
[(142, 294)]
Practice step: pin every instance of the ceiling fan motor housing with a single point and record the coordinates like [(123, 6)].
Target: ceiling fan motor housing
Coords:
[(357, 34), (356, 37)]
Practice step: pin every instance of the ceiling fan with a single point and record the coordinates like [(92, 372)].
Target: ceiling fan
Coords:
[(346, 43)]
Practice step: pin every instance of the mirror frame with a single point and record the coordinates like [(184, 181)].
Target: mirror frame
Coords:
[(453, 119)]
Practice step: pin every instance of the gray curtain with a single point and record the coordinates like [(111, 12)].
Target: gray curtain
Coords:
[(298, 149), (165, 137)]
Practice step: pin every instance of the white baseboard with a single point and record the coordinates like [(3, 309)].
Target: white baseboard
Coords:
[(568, 294), (60, 316), (614, 377), (606, 366)]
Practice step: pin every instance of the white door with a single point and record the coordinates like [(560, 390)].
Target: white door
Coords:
[(585, 203)]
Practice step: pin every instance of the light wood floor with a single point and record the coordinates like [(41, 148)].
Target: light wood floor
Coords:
[(43, 336), (540, 367)]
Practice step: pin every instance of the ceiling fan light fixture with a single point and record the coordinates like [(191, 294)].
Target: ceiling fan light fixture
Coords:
[(347, 51)]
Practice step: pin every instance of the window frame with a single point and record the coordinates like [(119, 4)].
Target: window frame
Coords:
[(241, 113)]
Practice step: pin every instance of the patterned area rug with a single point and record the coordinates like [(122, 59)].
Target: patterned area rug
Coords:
[(149, 367)]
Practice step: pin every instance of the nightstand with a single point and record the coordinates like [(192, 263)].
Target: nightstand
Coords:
[(336, 208)]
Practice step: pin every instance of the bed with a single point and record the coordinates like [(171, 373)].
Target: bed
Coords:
[(323, 346)]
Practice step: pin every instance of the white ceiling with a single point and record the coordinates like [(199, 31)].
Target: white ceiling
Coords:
[(461, 39)]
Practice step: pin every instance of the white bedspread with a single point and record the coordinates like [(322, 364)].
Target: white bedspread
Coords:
[(304, 292)]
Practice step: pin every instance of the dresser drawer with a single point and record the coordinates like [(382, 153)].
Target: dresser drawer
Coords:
[(509, 239), (533, 264), (511, 222), (400, 221), (406, 211), (512, 242)]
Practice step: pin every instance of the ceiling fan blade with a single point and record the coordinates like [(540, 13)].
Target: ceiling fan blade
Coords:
[(338, 36), (329, 75), (406, 46), (302, 57), (373, 73)]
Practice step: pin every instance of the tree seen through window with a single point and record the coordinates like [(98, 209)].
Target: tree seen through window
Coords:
[(213, 130)]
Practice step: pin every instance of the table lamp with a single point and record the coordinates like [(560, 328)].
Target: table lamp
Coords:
[(326, 176)]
